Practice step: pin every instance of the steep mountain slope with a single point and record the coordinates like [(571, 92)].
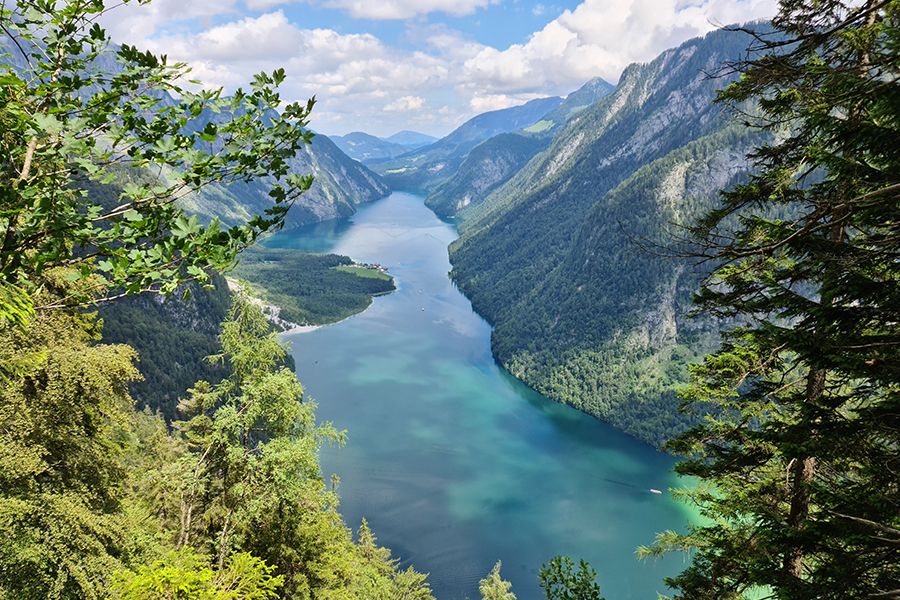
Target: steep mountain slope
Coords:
[(552, 258), (362, 146), (341, 182), (426, 167), (493, 162), (340, 185), (173, 337), (488, 165), (583, 97), (411, 139)]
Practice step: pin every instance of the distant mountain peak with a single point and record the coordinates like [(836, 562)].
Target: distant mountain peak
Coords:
[(413, 139)]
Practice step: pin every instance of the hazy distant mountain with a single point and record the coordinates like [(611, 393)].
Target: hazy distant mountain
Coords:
[(362, 146), (551, 257), (411, 139), (426, 167)]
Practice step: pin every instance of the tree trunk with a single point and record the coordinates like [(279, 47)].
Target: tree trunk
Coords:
[(802, 471)]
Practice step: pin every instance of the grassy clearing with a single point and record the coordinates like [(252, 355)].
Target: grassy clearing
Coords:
[(364, 272)]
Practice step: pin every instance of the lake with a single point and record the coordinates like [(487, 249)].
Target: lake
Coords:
[(454, 463)]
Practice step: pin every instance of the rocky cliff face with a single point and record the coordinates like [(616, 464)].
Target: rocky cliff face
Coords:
[(557, 258)]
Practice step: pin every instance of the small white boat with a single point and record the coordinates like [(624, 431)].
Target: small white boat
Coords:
[(655, 491)]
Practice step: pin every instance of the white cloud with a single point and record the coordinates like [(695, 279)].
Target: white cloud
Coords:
[(363, 83), (135, 22), (480, 104), (405, 104), (318, 60), (386, 9), (601, 37)]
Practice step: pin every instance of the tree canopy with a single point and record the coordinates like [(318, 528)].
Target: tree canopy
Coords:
[(76, 111), (798, 452)]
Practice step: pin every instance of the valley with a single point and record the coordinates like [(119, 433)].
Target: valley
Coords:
[(507, 331), (555, 203), (446, 451)]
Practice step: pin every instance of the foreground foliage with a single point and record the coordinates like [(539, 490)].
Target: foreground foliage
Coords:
[(98, 500), (799, 464), (560, 580), (74, 109)]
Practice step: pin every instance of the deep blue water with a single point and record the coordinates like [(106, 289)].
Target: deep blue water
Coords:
[(454, 463)]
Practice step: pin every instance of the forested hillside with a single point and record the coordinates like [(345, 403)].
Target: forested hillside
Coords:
[(173, 338), (486, 167), (311, 289), (552, 258)]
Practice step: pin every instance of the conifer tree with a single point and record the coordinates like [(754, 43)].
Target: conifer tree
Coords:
[(494, 587), (799, 460)]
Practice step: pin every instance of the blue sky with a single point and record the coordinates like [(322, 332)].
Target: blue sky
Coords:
[(428, 65)]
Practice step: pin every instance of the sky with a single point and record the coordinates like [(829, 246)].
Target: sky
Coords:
[(382, 66)]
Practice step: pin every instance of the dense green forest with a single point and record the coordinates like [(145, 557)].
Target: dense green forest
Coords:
[(311, 289), (173, 338)]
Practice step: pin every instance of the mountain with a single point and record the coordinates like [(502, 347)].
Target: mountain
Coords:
[(583, 97), (553, 257), (488, 165), (362, 146), (493, 162), (424, 168), (340, 185), (411, 139)]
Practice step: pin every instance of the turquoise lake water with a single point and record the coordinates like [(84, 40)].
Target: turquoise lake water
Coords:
[(454, 463)]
